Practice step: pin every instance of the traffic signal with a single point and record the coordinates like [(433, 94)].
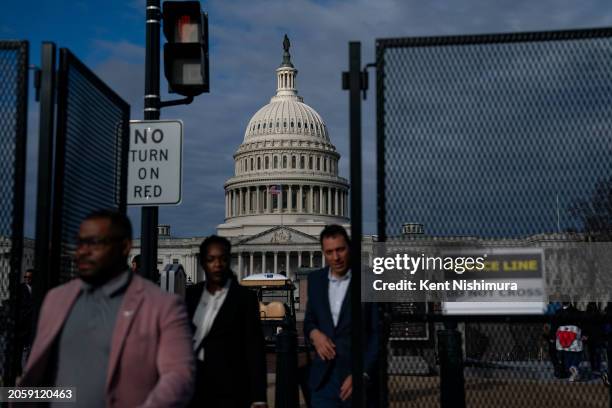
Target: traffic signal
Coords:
[(186, 49)]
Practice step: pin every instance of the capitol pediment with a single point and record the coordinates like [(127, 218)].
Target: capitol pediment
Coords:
[(280, 235)]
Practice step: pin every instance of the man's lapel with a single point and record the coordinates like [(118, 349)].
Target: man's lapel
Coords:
[(345, 309), (63, 306), (127, 312), (326, 302)]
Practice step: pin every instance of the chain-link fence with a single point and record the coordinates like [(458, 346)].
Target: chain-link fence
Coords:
[(91, 156), (13, 115), (508, 361), (499, 138)]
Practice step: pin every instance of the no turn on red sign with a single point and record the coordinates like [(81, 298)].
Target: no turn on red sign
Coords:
[(155, 169)]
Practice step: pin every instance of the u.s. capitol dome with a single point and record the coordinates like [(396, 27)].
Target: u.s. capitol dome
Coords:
[(285, 186)]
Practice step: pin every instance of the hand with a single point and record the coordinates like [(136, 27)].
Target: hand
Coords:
[(347, 388), (325, 348)]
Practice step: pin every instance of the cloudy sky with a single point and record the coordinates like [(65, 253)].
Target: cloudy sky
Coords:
[(246, 37)]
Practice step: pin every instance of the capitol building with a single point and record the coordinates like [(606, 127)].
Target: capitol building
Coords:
[(284, 190)]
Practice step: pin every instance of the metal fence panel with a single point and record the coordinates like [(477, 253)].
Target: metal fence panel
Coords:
[(91, 156), (13, 116), (494, 137), (500, 368)]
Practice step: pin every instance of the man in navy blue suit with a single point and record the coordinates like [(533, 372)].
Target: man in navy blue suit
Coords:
[(327, 324)]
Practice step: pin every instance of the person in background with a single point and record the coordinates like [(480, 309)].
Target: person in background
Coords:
[(112, 335), (570, 337), (596, 341), (327, 324), (135, 265), (25, 324), (550, 338), (228, 339)]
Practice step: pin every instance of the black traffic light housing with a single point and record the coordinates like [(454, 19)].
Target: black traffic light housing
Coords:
[(186, 49)]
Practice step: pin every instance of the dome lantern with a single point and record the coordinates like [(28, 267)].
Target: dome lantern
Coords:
[(286, 73)]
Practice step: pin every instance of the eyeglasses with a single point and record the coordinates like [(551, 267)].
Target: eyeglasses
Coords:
[(95, 242)]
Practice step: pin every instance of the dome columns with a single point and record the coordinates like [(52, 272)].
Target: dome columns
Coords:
[(287, 161), (285, 81), (294, 198), (271, 260)]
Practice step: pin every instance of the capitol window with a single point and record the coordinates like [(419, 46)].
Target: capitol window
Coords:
[(300, 125), (302, 162), (284, 124), (284, 162), (293, 161), (276, 162), (267, 161), (259, 163), (310, 162), (291, 123), (318, 163)]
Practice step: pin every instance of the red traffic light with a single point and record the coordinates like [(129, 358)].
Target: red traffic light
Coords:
[(186, 50)]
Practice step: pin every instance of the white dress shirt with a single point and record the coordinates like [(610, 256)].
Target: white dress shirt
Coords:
[(337, 292), (205, 315)]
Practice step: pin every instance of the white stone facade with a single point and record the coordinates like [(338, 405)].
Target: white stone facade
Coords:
[(281, 250), (184, 251)]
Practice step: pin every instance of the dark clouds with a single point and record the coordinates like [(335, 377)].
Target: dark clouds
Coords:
[(246, 39)]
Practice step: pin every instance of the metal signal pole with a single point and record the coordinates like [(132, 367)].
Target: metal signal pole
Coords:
[(150, 215)]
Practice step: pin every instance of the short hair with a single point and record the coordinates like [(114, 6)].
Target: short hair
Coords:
[(214, 240), (333, 230), (31, 270), (120, 224), (136, 260)]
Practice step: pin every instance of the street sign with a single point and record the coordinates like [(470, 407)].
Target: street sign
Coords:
[(523, 266), (155, 171)]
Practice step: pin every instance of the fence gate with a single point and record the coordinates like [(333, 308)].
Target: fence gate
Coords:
[(490, 140), (90, 169), (13, 116)]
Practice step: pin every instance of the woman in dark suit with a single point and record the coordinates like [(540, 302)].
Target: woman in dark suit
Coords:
[(228, 338)]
